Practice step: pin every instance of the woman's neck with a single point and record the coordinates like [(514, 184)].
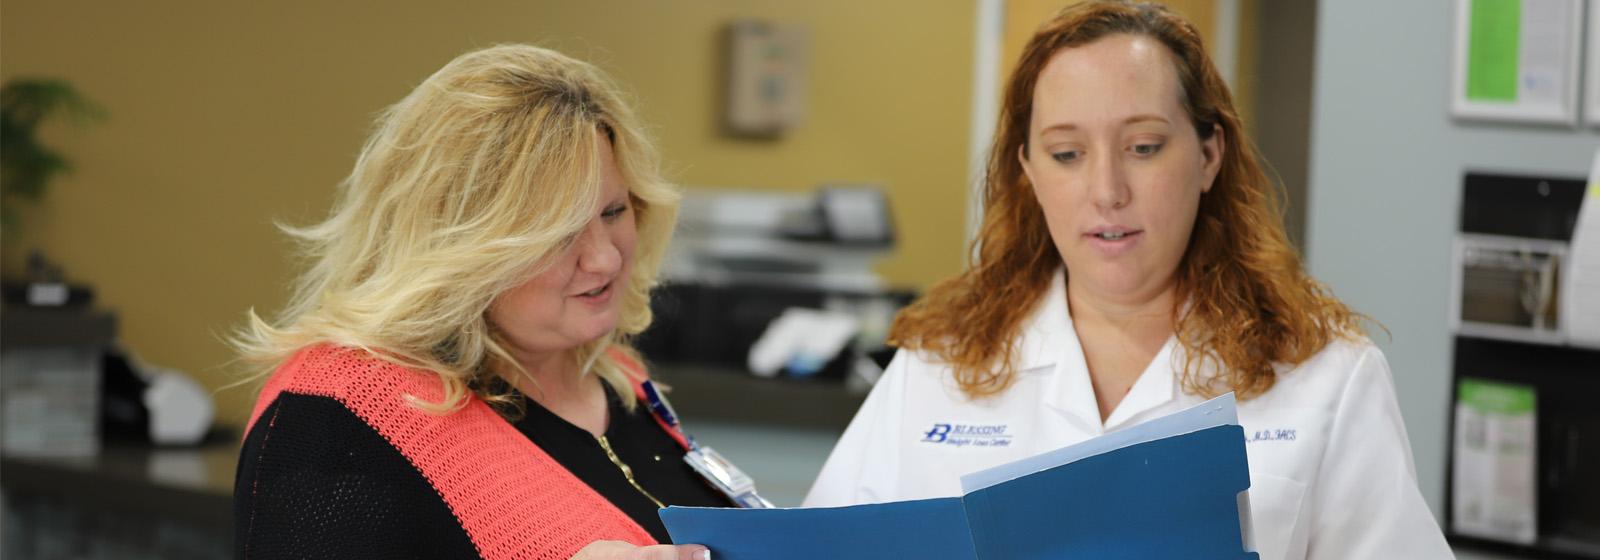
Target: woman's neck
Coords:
[(1142, 316), (545, 372), (1119, 337), (555, 381)]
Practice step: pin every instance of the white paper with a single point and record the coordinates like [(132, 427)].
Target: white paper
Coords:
[(1592, 104), (1580, 290), (1546, 48), (1220, 411), (802, 339), (1495, 492)]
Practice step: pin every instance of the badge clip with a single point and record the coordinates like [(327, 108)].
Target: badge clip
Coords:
[(712, 466)]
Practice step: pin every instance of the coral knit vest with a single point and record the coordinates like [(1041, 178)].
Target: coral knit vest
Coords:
[(513, 499)]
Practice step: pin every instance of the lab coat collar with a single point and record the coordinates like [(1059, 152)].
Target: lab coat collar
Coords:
[(1048, 328), (1050, 347), (1155, 387), (1049, 339)]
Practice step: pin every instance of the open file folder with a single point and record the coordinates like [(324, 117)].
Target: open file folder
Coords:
[(1173, 487)]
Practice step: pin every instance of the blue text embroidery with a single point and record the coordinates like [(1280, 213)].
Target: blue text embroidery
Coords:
[(1285, 434), (963, 435)]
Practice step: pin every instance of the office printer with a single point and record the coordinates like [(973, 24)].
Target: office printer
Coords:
[(740, 258)]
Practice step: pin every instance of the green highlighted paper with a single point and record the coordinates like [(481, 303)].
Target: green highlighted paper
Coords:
[(1488, 397), (1493, 47)]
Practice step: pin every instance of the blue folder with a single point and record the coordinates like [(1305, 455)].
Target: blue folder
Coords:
[(1173, 487)]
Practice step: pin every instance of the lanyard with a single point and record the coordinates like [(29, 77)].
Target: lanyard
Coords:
[(718, 471)]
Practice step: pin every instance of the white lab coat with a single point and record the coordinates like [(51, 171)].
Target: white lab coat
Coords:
[(1330, 466)]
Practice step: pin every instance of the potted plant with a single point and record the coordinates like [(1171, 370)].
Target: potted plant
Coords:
[(26, 165)]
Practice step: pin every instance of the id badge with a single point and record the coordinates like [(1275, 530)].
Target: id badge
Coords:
[(726, 477)]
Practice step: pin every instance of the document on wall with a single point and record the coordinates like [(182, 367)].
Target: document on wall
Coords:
[(1518, 59), (1495, 493), (1174, 487), (1580, 292)]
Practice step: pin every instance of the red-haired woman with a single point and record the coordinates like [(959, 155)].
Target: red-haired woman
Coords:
[(1130, 264)]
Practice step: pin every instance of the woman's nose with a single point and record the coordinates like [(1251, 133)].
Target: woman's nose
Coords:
[(596, 251), (1108, 183)]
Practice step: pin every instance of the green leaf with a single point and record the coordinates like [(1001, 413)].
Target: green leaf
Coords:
[(26, 166)]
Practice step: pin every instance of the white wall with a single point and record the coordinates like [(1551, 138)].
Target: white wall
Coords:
[(1386, 167)]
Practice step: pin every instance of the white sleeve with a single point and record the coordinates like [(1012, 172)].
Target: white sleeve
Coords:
[(1366, 502), (863, 465)]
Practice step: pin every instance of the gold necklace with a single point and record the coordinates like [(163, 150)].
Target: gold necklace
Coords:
[(627, 472)]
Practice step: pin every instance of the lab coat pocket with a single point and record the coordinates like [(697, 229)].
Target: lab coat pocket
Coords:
[(1275, 504)]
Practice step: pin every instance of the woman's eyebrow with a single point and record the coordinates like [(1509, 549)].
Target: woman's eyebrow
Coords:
[(1146, 118), (1143, 117)]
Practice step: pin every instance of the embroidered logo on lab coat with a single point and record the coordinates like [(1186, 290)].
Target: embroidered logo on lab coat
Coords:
[(1281, 434), (964, 435)]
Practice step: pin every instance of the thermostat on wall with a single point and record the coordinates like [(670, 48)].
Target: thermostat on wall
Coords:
[(766, 77)]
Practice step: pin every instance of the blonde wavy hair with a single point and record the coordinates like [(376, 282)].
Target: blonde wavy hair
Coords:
[(1252, 305), (469, 186)]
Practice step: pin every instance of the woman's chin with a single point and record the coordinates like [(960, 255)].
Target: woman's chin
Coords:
[(598, 327), (1114, 285)]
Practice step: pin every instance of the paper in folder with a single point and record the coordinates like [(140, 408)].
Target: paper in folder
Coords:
[(1173, 487)]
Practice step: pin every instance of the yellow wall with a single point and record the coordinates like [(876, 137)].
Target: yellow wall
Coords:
[(226, 116), (1023, 18), (1246, 84)]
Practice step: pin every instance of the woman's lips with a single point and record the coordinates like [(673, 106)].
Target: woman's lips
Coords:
[(597, 296), (1114, 243)]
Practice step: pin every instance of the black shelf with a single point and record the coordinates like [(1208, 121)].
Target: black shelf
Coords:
[(1566, 380), (136, 479), (725, 394), (1553, 549)]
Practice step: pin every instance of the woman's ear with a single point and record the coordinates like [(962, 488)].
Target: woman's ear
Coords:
[(1027, 166), (1212, 149)]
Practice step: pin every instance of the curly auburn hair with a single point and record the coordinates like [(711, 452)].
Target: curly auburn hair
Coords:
[(1251, 304)]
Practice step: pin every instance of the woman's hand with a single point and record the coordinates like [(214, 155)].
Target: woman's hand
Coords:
[(618, 550)]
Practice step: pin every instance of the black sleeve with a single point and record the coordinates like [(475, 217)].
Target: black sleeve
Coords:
[(315, 481)]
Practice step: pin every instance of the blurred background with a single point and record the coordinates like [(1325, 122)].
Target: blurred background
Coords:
[(821, 203)]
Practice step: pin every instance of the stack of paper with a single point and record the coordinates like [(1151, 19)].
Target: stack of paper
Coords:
[(1581, 287), (1174, 487)]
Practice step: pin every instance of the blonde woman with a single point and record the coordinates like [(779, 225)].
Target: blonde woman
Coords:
[(451, 378)]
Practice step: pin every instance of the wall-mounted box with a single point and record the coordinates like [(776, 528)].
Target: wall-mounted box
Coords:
[(766, 77)]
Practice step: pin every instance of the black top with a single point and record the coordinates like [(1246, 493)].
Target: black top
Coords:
[(639, 442), (316, 481)]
